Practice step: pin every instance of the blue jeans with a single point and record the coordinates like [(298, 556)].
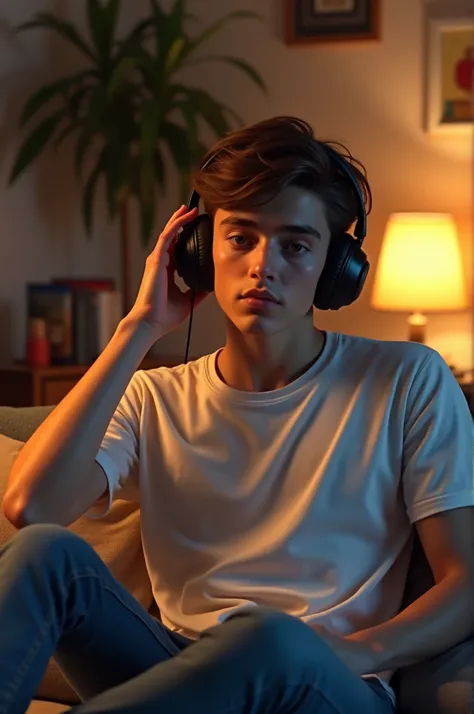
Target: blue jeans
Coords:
[(57, 596)]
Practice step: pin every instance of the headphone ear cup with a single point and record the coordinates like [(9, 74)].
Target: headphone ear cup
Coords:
[(193, 254), (343, 275), (204, 236)]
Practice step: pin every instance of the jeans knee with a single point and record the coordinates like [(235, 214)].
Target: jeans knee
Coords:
[(280, 640), (41, 542)]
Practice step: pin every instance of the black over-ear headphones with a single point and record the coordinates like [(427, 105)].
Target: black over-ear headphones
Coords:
[(344, 272)]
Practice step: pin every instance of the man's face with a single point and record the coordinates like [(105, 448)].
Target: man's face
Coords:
[(280, 247)]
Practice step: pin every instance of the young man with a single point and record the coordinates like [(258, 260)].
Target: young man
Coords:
[(280, 479)]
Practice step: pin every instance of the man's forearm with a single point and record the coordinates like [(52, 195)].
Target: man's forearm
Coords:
[(438, 620), (49, 475)]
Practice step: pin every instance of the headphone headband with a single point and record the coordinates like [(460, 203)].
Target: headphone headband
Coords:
[(194, 197), (360, 229)]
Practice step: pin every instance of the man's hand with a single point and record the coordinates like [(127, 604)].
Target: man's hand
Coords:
[(160, 304), (352, 650)]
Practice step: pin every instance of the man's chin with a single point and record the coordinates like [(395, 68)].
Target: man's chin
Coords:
[(267, 324), (257, 324)]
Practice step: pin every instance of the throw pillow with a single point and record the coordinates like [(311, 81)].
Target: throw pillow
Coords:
[(116, 538)]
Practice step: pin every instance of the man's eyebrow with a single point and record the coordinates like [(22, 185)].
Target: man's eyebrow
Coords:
[(298, 229)]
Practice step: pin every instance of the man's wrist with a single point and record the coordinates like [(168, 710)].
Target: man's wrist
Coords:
[(138, 331), (376, 649)]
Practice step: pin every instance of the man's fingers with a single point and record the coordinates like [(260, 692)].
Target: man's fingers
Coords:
[(172, 228), (180, 211)]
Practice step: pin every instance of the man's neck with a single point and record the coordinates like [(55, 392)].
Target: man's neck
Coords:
[(253, 367)]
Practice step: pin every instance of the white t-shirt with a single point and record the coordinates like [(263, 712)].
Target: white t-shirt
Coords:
[(301, 498)]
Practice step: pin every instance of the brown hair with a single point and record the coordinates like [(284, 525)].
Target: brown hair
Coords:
[(253, 164)]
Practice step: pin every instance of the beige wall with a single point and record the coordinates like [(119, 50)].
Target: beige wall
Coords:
[(367, 96)]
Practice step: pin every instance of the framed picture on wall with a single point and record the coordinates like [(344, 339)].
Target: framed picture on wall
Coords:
[(450, 76), (311, 21)]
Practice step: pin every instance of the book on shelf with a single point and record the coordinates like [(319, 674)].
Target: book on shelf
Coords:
[(90, 311), (53, 304)]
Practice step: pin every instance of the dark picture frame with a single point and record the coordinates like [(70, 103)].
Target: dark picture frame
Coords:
[(321, 21)]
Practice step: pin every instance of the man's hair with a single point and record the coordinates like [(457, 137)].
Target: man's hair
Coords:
[(253, 164)]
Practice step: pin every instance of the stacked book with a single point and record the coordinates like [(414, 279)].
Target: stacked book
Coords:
[(80, 316)]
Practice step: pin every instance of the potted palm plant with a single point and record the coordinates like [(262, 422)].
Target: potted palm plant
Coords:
[(127, 108)]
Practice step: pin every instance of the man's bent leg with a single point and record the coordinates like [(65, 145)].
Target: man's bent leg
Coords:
[(56, 594), (257, 662)]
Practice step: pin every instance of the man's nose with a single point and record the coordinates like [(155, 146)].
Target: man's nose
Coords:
[(264, 260)]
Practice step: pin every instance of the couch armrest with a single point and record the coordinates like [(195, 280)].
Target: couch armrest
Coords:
[(20, 422)]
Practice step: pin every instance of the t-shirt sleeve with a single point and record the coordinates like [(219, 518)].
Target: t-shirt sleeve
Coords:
[(118, 452), (438, 454)]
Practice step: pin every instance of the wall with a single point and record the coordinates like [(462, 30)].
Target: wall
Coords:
[(368, 96)]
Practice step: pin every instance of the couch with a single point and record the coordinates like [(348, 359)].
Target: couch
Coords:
[(445, 685)]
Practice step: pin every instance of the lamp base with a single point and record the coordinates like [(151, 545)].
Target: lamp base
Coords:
[(417, 327)]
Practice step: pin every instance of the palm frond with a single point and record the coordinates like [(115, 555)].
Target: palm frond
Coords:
[(67, 131), (89, 192), (47, 92), (102, 21), (66, 30), (35, 143)]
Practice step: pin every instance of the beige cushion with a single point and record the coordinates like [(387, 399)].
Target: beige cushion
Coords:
[(117, 540)]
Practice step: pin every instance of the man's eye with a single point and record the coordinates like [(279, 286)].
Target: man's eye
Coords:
[(298, 248), (238, 239), (290, 246)]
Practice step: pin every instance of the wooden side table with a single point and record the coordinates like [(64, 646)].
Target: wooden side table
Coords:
[(23, 386)]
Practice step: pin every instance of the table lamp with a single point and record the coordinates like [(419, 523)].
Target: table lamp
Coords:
[(420, 269)]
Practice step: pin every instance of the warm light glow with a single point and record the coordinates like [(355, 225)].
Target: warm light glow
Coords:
[(420, 267)]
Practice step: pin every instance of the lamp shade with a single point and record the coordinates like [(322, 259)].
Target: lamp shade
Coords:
[(420, 267)]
